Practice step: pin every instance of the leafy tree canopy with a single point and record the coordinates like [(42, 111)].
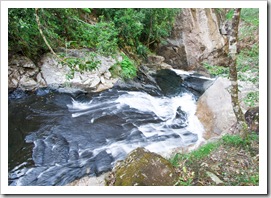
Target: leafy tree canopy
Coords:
[(133, 30)]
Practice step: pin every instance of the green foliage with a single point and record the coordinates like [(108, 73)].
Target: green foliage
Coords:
[(229, 15), (232, 140), (204, 151), (254, 179), (140, 27), (102, 36), (248, 59), (248, 64), (87, 63), (128, 22), (130, 29), (251, 99), (177, 158), (182, 182), (128, 68), (86, 10), (198, 154), (23, 35), (250, 15), (158, 23), (115, 70), (106, 38), (238, 141), (248, 56), (58, 26), (217, 70), (142, 50)]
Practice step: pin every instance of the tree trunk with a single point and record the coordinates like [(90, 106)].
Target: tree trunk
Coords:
[(41, 32), (233, 37)]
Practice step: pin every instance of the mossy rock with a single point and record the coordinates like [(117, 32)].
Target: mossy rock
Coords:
[(143, 168)]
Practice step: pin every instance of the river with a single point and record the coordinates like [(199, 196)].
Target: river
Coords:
[(57, 137)]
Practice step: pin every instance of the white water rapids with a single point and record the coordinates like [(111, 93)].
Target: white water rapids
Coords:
[(64, 137), (162, 108)]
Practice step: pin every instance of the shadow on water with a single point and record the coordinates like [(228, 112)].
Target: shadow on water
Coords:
[(55, 138)]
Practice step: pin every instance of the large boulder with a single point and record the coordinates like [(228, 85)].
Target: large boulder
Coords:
[(143, 168), (214, 109), (196, 38), (56, 73)]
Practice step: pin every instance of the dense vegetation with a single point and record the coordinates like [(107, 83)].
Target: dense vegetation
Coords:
[(106, 31)]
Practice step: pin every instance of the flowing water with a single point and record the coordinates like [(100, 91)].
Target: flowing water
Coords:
[(55, 137)]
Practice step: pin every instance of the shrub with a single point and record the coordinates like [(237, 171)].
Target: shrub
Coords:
[(128, 69)]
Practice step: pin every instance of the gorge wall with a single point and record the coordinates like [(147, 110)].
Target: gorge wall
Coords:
[(196, 39)]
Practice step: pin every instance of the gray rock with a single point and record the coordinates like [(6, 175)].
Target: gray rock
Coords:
[(95, 81), (214, 178), (27, 83), (51, 72), (89, 80), (40, 80), (156, 60), (214, 109), (21, 61), (166, 66), (107, 75), (194, 39), (22, 73)]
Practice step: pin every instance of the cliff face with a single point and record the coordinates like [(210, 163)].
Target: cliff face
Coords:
[(196, 39)]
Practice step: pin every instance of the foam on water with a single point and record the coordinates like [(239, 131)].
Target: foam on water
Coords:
[(87, 135), (181, 72), (76, 105), (160, 108)]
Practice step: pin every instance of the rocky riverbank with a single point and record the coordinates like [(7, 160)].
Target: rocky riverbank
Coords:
[(50, 72)]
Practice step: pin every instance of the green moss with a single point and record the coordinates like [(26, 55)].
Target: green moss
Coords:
[(144, 168)]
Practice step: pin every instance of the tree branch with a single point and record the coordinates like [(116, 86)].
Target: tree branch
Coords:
[(41, 32)]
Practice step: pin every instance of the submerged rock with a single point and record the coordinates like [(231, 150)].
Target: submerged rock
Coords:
[(143, 168)]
